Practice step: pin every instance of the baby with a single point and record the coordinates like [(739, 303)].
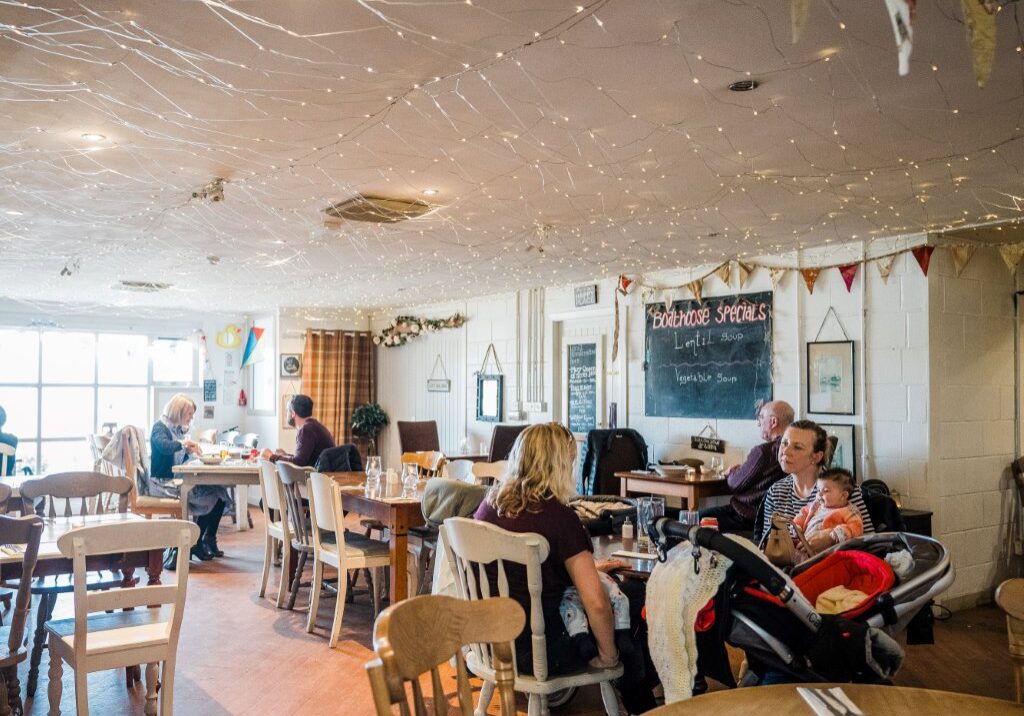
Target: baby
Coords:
[(575, 618), (830, 513)]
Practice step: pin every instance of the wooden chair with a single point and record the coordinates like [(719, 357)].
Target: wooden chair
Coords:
[(275, 526), (472, 545), (460, 470), (430, 462), (416, 435), (146, 505), (6, 594), (419, 634), (94, 641), (442, 498), (1010, 598), (502, 440), (487, 473), (333, 547), (25, 531), (291, 477), (89, 489)]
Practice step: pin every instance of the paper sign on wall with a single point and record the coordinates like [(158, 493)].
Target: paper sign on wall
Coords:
[(210, 391)]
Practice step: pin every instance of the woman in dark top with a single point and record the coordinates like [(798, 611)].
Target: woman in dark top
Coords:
[(169, 447), (532, 498)]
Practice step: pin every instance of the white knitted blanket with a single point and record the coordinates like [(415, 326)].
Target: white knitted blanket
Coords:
[(675, 594)]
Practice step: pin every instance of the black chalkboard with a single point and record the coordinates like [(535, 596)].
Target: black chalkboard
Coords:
[(710, 359), (582, 387)]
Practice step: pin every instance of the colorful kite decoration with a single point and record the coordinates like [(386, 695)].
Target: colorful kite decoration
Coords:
[(251, 345)]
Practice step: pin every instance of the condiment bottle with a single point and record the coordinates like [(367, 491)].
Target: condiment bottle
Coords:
[(627, 530)]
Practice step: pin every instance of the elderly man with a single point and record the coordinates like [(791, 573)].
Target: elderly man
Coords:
[(751, 480), (311, 439)]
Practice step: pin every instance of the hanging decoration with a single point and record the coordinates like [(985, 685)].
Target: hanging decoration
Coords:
[(979, 17), (251, 345), (849, 273), (901, 13), (810, 277), (242, 400), (885, 265), (745, 272), (1012, 254), (697, 288), (724, 273), (798, 14), (776, 275), (405, 328), (204, 351), (961, 257), (923, 254), (230, 337), (621, 289)]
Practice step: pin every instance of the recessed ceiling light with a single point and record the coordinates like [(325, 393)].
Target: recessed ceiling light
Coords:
[(13, 212), (430, 192), (744, 85), (93, 137)]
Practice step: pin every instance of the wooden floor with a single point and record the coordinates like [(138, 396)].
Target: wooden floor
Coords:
[(240, 655)]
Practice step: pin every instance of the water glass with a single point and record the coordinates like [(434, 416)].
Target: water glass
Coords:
[(410, 479), (648, 509), (716, 465), (372, 475), (689, 517), (223, 450)]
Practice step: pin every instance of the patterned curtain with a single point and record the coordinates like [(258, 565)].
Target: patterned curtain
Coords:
[(339, 372)]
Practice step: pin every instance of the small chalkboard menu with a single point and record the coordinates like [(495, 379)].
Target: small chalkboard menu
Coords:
[(710, 359), (582, 387)]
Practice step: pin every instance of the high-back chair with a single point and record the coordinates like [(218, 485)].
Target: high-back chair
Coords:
[(460, 470), (502, 440), (292, 477), (275, 526), (1010, 598), (430, 462), (417, 435), (141, 503), (94, 641), (470, 546), (6, 458), (419, 634), (26, 531), (487, 473), (88, 489), (336, 548)]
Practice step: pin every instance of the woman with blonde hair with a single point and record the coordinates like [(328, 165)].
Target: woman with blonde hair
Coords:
[(169, 446), (532, 498)]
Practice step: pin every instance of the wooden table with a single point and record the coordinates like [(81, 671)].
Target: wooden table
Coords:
[(233, 472), (605, 545), (871, 699), (691, 489), (396, 514), (474, 457)]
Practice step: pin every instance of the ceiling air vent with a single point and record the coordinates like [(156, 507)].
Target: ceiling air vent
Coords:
[(378, 209), (142, 286)]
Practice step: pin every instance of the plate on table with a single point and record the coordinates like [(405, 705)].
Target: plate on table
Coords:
[(671, 470)]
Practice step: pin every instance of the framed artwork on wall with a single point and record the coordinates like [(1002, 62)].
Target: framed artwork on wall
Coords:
[(291, 365), (830, 379), (489, 397), (845, 454)]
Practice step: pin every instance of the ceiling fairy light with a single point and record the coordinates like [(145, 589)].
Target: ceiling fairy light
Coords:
[(429, 192)]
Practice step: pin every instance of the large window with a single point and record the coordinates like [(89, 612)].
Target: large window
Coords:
[(57, 387)]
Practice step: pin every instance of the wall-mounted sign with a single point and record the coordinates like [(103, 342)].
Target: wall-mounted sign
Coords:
[(210, 390), (701, 442), (439, 385), (585, 295)]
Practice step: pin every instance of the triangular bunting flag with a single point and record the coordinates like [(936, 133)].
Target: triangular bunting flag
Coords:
[(624, 284), (798, 12), (849, 272), (885, 265), (776, 275), (745, 272), (923, 254), (696, 288), (901, 13), (979, 17), (961, 257), (810, 276), (724, 272), (1012, 254), (668, 295)]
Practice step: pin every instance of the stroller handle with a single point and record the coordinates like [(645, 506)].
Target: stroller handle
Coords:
[(665, 530)]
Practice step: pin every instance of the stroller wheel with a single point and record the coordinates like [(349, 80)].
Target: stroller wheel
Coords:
[(561, 698)]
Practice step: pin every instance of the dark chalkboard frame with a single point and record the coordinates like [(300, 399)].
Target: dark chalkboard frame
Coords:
[(598, 341)]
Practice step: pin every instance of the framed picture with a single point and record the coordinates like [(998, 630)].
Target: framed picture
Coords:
[(845, 455), (291, 365), (489, 397), (830, 380), (285, 399)]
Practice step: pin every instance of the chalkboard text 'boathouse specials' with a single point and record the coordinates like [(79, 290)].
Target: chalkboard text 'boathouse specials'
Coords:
[(582, 387), (710, 359)]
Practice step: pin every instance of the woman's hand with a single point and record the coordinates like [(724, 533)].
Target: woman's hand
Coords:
[(192, 447), (610, 565), (601, 661), (266, 454)]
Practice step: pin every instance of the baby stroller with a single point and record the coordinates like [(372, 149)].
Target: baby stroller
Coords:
[(767, 613)]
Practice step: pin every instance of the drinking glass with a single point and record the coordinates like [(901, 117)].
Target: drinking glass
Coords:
[(689, 517), (410, 479), (716, 465), (648, 509), (223, 450), (372, 475)]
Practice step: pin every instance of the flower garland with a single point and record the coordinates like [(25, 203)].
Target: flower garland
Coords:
[(404, 328)]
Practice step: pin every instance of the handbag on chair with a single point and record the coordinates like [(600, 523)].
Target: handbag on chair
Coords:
[(779, 547)]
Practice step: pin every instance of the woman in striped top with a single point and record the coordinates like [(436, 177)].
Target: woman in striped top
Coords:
[(801, 453)]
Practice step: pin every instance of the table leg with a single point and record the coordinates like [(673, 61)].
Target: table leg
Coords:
[(242, 507), (623, 487), (155, 566), (183, 496), (399, 544)]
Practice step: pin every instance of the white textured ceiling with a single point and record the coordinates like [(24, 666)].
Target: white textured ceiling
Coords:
[(565, 142)]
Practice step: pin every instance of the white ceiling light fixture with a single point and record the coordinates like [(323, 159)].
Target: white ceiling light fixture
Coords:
[(93, 137), (377, 209), (430, 192), (12, 212)]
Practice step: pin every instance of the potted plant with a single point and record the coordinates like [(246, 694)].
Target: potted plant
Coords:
[(367, 422)]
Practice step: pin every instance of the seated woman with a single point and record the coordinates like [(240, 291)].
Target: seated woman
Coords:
[(533, 499), (169, 447), (801, 453)]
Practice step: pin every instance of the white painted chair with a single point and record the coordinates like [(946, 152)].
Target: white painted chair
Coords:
[(460, 470), (6, 457), (331, 546), (470, 546), (487, 473), (95, 641), (275, 527)]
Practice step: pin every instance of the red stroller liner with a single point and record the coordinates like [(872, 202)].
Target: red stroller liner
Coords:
[(852, 569)]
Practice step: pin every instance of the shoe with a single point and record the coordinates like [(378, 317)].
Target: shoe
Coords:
[(171, 559), (201, 551), (211, 544)]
